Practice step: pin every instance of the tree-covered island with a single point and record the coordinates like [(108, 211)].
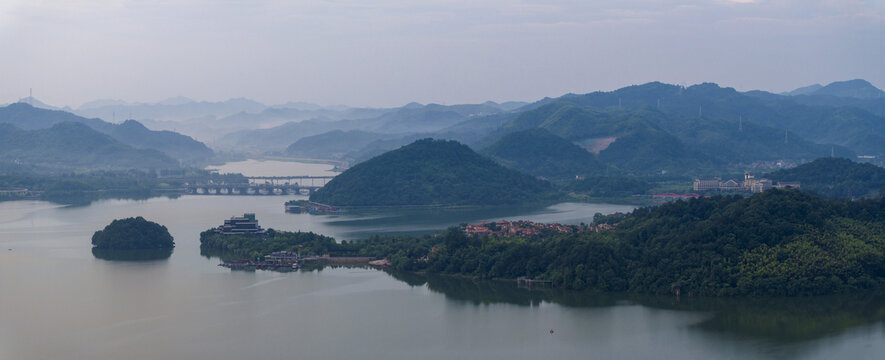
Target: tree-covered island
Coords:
[(133, 234), (780, 242)]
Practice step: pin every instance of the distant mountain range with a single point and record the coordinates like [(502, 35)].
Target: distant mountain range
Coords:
[(131, 132), (645, 129), (857, 88), (73, 145), (405, 121)]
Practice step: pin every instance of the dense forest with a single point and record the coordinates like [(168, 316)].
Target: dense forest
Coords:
[(780, 242), (836, 177), (540, 153), (133, 233), (432, 172), (775, 243)]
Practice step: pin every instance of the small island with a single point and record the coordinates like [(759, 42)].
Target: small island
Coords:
[(133, 234)]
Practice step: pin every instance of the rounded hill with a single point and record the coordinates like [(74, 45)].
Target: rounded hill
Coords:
[(133, 233), (538, 152), (432, 172)]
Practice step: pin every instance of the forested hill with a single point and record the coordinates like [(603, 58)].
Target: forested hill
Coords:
[(131, 132), (75, 146), (432, 172), (781, 242), (853, 127), (836, 177), (540, 153)]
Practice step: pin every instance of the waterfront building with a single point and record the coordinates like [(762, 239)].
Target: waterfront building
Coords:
[(246, 224)]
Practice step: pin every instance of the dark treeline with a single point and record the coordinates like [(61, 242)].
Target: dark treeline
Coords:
[(836, 177), (84, 187), (781, 242), (133, 233)]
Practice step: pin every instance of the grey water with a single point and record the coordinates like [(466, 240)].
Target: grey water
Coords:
[(59, 301)]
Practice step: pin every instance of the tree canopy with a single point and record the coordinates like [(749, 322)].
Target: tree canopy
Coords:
[(133, 233)]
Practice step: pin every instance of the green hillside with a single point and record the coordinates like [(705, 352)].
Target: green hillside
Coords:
[(781, 242), (836, 177), (540, 153), (75, 146), (816, 122), (333, 144), (131, 132), (626, 140), (176, 145), (432, 172)]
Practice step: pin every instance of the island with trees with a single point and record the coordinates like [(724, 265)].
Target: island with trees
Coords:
[(133, 233)]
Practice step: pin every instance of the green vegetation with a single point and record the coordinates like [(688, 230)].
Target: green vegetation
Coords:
[(775, 243), (332, 144), (432, 172), (176, 145), (130, 133), (780, 242), (75, 146), (540, 153), (133, 233), (399, 249), (836, 177)]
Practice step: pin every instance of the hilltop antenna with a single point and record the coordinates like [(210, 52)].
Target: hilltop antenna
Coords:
[(30, 93), (786, 138), (741, 124), (699, 111), (619, 103), (833, 152)]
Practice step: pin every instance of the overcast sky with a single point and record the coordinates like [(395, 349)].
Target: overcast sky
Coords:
[(391, 52)]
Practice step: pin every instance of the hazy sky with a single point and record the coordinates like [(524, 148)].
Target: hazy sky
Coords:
[(390, 52)]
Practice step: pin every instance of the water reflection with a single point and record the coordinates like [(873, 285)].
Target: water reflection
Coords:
[(360, 223), (132, 255), (779, 320), (83, 199)]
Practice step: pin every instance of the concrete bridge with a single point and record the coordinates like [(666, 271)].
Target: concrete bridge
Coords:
[(312, 181), (263, 185)]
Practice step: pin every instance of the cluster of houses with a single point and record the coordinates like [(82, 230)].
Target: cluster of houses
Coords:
[(750, 183), (525, 228)]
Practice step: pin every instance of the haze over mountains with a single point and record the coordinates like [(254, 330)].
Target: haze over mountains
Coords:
[(642, 129), (129, 134)]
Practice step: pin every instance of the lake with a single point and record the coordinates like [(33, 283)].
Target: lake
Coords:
[(254, 167), (57, 300)]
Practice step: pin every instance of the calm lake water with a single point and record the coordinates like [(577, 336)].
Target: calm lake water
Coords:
[(254, 167), (58, 301)]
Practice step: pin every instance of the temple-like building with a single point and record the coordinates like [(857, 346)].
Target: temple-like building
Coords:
[(245, 224)]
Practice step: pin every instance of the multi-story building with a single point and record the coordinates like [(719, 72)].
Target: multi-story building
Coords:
[(706, 184), (245, 224)]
